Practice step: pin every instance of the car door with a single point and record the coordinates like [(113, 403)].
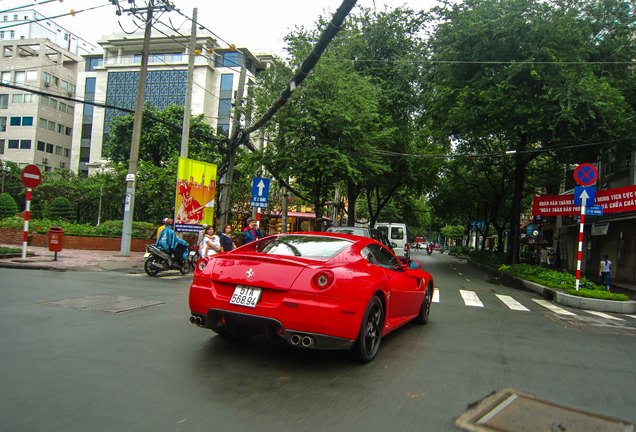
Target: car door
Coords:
[(404, 293)]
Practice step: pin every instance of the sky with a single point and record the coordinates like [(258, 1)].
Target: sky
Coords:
[(258, 25)]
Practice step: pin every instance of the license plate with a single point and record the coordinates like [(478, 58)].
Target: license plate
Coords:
[(245, 296)]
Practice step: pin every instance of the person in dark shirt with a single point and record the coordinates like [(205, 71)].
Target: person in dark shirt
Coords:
[(226, 239)]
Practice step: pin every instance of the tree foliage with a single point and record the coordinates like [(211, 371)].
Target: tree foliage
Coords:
[(537, 75), (8, 206)]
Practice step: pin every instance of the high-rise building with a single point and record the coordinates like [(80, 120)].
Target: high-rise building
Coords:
[(38, 65), (112, 77)]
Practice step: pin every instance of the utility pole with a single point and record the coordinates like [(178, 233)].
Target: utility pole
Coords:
[(185, 135), (129, 203), (232, 147)]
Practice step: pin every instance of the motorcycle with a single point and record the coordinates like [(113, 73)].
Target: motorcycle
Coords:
[(157, 260), (429, 250)]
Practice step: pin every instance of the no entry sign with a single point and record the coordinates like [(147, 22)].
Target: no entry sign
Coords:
[(31, 176)]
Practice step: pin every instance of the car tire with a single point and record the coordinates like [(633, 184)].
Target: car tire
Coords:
[(366, 347), (425, 310), (149, 267)]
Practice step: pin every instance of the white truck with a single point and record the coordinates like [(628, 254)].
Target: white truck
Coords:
[(397, 233)]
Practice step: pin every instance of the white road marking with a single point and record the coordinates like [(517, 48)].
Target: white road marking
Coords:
[(512, 303), (470, 298), (436, 295), (603, 315), (631, 316), (557, 310), (459, 273)]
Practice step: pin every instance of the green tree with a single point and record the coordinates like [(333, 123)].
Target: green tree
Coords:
[(8, 206), (161, 137), (529, 73)]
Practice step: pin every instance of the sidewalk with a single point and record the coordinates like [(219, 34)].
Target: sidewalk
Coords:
[(74, 259)]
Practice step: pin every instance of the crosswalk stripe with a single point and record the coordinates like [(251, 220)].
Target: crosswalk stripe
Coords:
[(470, 298), (512, 303), (552, 307), (436, 295), (603, 315)]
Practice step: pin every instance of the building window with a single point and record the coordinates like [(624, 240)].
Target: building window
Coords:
[(14, 144), (230, 59), (49, 148), (4, 101), (1, 146), (68, 131), (60, 128), (41, 146), (59, 151), (29, 98), (20, 77), (5, 77), (67, 152), (15, 121), (3, 124), (17, 98), (51, 126), (31, 75), (42, 123), (25, 144), (27, 121), (92, 63)]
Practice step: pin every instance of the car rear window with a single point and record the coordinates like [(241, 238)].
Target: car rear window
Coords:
[(314, 247)]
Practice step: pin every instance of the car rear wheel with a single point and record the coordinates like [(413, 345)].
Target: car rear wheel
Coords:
[(368, 342), (425, 310)]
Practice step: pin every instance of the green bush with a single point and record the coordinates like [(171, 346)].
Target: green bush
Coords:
[(8, 206), (489, 258), (561, 281), (460, 250), (113, 228), (60, 208)]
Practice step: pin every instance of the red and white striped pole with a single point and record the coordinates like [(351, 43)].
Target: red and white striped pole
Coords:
[(25, 233), (579, 256)]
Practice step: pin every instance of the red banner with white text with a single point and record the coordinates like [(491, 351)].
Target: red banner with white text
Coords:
[(615, 200)]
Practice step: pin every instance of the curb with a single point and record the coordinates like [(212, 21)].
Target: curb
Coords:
[(622, 307)]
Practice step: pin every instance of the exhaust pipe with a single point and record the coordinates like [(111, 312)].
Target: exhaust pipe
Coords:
[(196, 320), (308, 341), (295, 339)]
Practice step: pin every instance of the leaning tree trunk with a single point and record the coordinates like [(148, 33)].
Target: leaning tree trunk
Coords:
[(351, 203)]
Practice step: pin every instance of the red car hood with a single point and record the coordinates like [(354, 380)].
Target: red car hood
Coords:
[(263, 271)]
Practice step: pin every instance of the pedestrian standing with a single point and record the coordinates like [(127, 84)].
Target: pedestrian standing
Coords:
[(605, 270), (211, 244), (251, 232), (226, 239)]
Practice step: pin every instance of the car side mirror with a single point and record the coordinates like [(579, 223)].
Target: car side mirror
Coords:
[(414, 265)]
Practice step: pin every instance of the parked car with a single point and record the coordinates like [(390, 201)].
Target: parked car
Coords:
[(311, 290), (398, 234), (373, 233)]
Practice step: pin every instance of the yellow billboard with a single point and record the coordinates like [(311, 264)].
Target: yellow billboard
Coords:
[(195, 194)]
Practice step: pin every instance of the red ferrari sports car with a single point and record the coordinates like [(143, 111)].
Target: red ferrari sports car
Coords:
[(312, 290)]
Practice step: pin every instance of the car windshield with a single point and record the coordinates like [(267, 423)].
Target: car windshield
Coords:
[(315, 247)]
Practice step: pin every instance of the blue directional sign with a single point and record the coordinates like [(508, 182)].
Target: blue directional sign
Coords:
[(260, 192), (584, 195), (594, 211)]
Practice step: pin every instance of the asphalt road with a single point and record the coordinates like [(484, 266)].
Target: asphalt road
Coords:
[(69, 369)]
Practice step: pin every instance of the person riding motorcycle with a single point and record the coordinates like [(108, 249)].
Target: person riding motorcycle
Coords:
[(171, 244)]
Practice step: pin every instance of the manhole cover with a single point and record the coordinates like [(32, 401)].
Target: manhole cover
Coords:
[(106, 303), (511, 411)]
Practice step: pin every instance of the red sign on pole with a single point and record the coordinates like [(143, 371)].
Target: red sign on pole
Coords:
[(615, 200), (585, 174), (31, 176)]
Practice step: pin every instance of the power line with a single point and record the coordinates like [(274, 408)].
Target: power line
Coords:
[(72, 13), (27, 6)]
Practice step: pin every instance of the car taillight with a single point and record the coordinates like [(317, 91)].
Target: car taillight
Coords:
[(201, 264), (323, 280)]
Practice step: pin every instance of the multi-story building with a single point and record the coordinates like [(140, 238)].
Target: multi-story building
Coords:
[(38, 63), (29, 24), (36, 115), (112, 77)]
